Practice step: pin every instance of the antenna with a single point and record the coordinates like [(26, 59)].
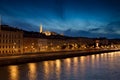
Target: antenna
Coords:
[(0, 22)]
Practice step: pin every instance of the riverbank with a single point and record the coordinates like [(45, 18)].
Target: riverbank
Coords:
[(36, 57)]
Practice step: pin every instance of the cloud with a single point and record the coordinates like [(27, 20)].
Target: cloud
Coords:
[(111, 30), (81, 33), (113, 27)]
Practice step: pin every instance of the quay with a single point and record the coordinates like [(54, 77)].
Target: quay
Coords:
[(43, 56)]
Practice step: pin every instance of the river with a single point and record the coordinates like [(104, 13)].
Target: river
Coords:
[(105, 66)]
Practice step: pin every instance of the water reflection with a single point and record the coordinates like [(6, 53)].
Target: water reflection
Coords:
[(67, 63), (13, 72), (46, 70), (32, 73), (95, 60), (82, 65), (93, 57), (58, 69), (75, 63), (91, 67)]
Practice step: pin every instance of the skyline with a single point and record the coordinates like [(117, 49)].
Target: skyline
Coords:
[(83, 18)]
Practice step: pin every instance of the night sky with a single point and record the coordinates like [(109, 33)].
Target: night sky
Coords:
[(85, 18)]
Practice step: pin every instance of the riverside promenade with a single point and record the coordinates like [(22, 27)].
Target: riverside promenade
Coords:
[(42, 56)]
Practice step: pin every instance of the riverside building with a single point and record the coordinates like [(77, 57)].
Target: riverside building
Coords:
[(11, 40), (15, 41)]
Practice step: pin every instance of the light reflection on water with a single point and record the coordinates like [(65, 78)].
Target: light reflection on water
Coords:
[(14, 72), (32, 72), (93, 67)]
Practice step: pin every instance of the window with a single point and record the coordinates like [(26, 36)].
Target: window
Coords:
[(18, 41), (9, 41), (19, 46), (3, 35), (6, 35), (3, 41)]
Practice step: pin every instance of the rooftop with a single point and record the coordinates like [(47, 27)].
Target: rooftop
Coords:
[(9, 28)]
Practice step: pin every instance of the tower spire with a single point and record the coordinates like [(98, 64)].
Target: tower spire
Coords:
[(0, 22), (41, 28)]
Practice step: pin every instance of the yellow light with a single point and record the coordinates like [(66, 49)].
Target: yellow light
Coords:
[(32, 71), (26, 47), (46, 69), (58, 68), (14, 72)]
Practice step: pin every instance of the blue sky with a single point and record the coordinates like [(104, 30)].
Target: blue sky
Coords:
[(89, 18)]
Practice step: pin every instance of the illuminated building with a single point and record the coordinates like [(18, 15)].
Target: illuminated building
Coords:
[(16, 41), (42, 44), (30, 44), (41, 29), (97, 43), (11, 40), (47, 33)]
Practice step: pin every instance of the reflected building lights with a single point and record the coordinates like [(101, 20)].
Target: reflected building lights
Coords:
[(46, 70), (32, 71), (83, 65), (58, 69), (111, 58), (14, 73), (102, 55), (68, 62), (75, 62), (93, 60), (82, 59), (58, 63), (51, 64), (68, 66)]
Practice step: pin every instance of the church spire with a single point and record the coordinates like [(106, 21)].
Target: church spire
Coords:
[(41, 29)]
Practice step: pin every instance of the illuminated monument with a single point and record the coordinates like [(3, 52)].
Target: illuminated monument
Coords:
[(41, 29), (47, 33)]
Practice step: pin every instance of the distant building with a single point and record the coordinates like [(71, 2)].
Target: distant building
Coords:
[(47, 33), (41, 30)]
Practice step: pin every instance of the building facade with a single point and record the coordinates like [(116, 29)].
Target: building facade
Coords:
[(30, 44), (11, 40), (14, 41)]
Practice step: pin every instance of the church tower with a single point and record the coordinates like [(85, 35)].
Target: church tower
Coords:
[(41, 29)]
